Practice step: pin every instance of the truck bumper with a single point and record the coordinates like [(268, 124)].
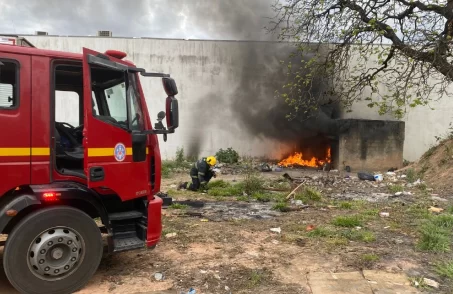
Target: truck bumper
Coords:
[(154, 221)]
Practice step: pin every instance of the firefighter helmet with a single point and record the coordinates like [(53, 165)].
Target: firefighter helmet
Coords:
[(211, 160)]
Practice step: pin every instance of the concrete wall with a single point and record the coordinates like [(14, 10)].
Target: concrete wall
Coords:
[(216, 78), (371, 145)]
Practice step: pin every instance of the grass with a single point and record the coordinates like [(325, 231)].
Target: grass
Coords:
[(443, 221), (358, 235), (281, 206), (418, 282), (321, 232), (347, 221), (218, 184), (255, 279), (434, 238), (396, 188), (262, 197), (411, 175), (346, 205), (370, 258), (178, 206), (445, 269), (309, 195)]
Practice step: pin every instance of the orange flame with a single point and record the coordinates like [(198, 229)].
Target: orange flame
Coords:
[(297, 159)]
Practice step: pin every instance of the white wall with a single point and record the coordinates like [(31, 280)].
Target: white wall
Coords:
[(210, 76)]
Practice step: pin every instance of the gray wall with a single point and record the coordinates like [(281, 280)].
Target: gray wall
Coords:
[(227, 93)]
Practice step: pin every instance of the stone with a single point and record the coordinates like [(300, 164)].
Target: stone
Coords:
[(388, 283), (431, 283), (436, 198), (338, 283), (170, 235), (158, 276)]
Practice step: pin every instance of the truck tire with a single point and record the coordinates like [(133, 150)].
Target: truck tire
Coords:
[(55, 250)]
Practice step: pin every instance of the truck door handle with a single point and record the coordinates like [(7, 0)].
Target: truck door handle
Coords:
[(96, 174)]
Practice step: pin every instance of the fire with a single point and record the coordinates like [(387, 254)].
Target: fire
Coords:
[(297, 159)]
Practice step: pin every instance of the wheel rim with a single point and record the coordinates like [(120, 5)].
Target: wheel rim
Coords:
[(56, 253)]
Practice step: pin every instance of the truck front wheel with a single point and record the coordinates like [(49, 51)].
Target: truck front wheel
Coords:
[(53, 250)]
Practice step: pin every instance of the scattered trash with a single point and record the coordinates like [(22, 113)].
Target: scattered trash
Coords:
[(265, 167), (398, 193), (334, 170), (378, 178), (158, 276), (203, 272), (358, 228), (275, 242), (173, 186), (390, 173), (436, 198), (384, 214), (387, 227), (204, 220), (407, 193), (276, 230), (170, 235), (365, 176), (403, 176), (217, 276), (310, 228), (278, 169), (298, 202), (435, 209), (348, 168), (431, 283), (227, 288)]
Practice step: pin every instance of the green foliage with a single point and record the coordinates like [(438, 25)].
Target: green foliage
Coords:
[(252, 183), (227, 156), (411, 175), (370, 257), (262, 197), (178, 206), (180, 155), (358, 235), (434, 238), (218, 184), (445, 269), (309, 195), (229, 190), (350, 64), (346, 205), (395, 188), (321, 232), (281, 206), (347, 221)]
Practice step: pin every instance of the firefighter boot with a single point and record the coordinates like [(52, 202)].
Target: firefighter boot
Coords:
[(182, 185)]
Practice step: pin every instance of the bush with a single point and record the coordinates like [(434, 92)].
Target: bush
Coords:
[(227, 156), (347, 221), (180, 155), (434, 238)]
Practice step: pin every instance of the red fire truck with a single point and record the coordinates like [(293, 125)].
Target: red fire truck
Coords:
[(78, 157)]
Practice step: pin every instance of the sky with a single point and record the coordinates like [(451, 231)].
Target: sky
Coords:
[(185, 19)]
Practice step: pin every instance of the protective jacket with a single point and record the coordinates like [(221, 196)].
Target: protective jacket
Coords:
[(201, 170)]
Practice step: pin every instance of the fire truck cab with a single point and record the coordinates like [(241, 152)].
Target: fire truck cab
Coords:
[(78, 158)]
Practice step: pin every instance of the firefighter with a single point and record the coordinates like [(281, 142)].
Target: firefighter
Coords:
[(201, 173)]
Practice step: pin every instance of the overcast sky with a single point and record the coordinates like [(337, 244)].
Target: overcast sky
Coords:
[(195, 19)]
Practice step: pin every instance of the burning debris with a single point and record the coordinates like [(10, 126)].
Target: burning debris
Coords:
[(298, 160)]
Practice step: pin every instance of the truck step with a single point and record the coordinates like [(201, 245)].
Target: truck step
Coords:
[(125, 215), (126, 244)]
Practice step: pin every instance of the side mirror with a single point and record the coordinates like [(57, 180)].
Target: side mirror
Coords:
[(170, 86), (172, 110)]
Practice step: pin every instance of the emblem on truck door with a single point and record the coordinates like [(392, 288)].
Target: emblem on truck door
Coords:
[(120, 152)]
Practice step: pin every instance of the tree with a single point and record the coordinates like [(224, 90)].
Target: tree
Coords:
[(395, 54)]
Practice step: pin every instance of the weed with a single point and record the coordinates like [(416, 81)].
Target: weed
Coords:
[(411, 175), (445, 269), (449, 209), (252, 182), (180, 155), (346, 205), (337, 241), (255, 279), (166, 169), (406, 162), (396, 188), (358, 235), (262, 197), (231, 190), (243, 198), (370, 212), (370, 257), (418, 282), (178, 206), (347, 221), (227, 156), (218, 184), (423, 170), (422, 187), (321, 232), (429, 152), (443, 221), (434, 238), (309, 194), (281, 206)]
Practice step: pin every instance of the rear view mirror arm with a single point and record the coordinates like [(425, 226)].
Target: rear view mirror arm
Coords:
[(143, 72)]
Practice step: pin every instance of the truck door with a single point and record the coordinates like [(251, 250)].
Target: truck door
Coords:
[(114, 148)]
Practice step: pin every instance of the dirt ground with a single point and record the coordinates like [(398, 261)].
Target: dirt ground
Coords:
[(227, 245)]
